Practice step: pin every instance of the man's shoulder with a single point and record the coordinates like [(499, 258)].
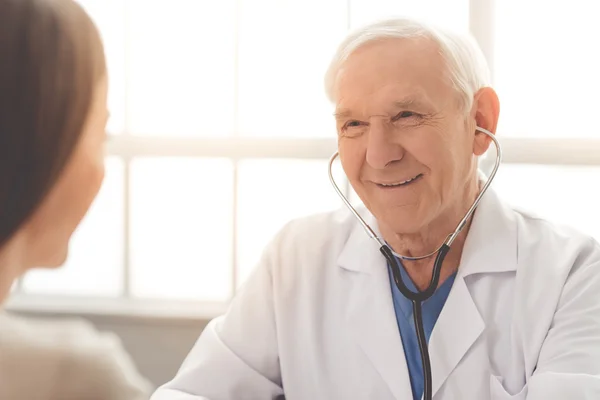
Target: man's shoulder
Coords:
[(323, 227), (544, 227), (559, 244), (305, 244)]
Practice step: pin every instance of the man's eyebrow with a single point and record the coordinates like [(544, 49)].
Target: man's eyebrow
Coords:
[(406, 103), (409, 102), (342, 113)]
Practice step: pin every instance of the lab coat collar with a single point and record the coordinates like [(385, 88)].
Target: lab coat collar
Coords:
[(361, 253), (491, 244)]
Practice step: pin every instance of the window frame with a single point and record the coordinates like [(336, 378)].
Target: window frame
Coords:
[(552, 151)]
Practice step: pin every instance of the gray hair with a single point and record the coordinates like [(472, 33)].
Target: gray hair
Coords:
[(466, 64)]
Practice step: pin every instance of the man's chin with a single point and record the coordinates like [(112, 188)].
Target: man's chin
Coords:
[(402, 221)]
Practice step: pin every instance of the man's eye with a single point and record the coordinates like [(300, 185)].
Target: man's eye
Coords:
[(352, 124), (353, 128), (405, 114)]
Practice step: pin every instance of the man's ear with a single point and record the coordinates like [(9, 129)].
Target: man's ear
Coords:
[(485, 110)]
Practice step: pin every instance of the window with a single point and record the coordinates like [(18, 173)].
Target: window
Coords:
[(546, 69), (219, 113), (180, 236), (545, 72)]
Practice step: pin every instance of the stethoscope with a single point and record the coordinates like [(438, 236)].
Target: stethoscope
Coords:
[(417, 298)]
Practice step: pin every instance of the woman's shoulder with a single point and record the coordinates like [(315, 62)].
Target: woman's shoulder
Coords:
[(67, 358)]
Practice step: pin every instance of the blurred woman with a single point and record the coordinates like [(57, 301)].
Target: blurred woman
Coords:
[(52, 129), (53, 113)]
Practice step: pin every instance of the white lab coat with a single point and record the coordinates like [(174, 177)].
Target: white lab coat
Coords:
[(316, 319)]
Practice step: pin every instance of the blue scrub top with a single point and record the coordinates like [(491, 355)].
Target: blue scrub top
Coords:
[(432, 308)]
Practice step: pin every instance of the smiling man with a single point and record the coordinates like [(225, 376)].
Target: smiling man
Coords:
[(516, 314)]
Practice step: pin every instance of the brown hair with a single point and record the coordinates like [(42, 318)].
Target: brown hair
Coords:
[(52, 61)]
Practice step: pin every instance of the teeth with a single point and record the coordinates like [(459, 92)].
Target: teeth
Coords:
[(399, 183)]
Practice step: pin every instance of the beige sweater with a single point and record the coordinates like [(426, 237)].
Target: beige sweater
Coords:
[(64, 360)]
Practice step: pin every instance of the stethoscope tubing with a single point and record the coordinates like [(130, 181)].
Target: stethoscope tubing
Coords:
[(417, 298)]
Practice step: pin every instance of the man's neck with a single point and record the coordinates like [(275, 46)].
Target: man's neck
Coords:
[(422, 243)]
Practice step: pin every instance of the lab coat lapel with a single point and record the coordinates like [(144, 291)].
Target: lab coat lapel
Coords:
[(371, 317), (457, 328), (491, 247)]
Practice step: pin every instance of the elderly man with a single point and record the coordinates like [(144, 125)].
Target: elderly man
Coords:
[(516, 314)]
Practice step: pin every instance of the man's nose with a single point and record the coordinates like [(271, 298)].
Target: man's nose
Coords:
[(381, 149)]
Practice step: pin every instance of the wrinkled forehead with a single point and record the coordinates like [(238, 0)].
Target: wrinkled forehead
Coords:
[(386, 72)]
